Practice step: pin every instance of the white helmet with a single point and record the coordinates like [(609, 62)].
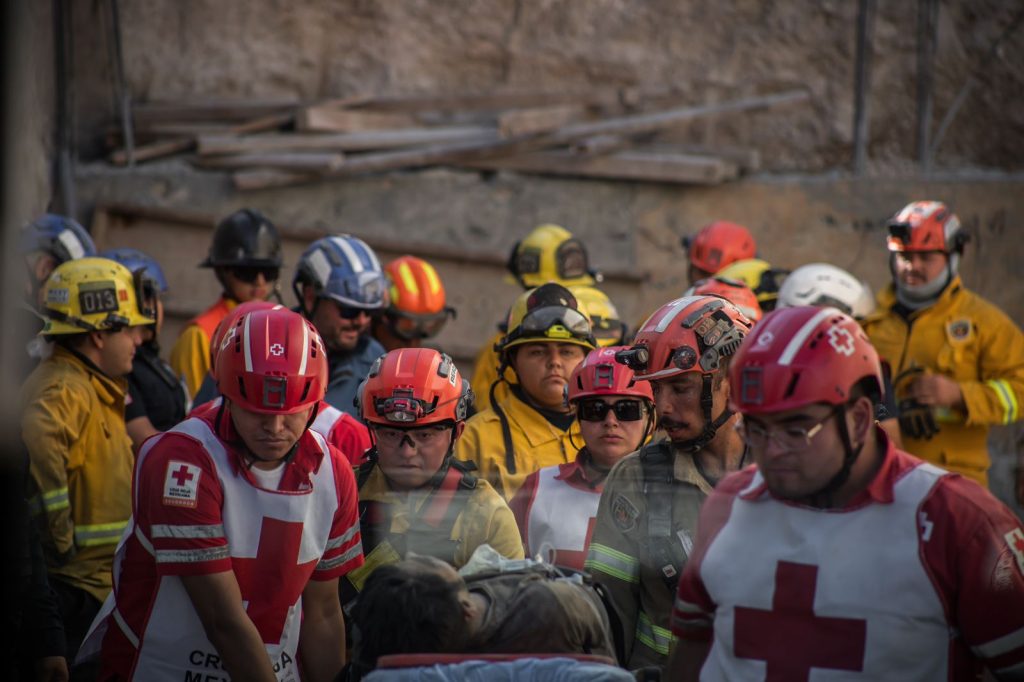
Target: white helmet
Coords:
[(821, 284)]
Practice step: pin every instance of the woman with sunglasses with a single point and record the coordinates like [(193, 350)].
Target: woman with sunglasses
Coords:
[(556, 506)]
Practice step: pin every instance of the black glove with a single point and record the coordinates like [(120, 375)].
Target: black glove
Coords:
[(916, 420)]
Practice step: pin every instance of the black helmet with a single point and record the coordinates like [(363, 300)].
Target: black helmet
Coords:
[(246, 238)]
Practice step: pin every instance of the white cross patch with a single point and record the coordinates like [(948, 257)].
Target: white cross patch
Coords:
[(277, 350), (841, 340)]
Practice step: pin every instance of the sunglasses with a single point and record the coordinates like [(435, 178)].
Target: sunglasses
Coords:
[(249, 274), (597, 410)]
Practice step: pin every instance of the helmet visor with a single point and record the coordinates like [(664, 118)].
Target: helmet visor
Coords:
[(571, 260), (556, 322), (410, 326)]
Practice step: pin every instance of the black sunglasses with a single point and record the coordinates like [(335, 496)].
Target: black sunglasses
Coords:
[(597, 410), (248, 274)]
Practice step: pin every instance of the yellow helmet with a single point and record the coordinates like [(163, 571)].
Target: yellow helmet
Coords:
[(547, 314), (760, 276), (608, 327), (550, 254), (94, 294)]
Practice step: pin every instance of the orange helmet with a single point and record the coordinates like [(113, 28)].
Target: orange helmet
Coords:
[(229, 321), (732, 290), (926, 226), (417, 309), (414, 387), (718, 244)]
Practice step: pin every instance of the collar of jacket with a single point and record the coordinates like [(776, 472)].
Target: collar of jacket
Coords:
[(537, 430), (108, 389), (376, 489)]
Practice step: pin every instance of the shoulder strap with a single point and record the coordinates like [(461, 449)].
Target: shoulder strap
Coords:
[(656, 461)]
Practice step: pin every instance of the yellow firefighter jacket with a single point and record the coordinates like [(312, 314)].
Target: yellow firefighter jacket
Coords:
[(81, 465), (485, 371), (964, 337), (536, 443), (190, 356)]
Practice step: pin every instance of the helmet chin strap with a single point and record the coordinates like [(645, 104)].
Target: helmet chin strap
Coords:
[(711, 426), (824, 497)]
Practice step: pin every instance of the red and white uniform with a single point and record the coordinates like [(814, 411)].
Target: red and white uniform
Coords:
[(556, 508), (919, 578), (341, 429), (197, 510)]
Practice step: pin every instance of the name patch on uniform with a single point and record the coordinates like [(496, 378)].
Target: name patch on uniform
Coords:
[(1015, 541), (624, 514), (181, 487)]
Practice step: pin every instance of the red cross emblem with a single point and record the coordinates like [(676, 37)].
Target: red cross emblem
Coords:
[(273, 580), (790, 638), (1015, 541), (182, 475)]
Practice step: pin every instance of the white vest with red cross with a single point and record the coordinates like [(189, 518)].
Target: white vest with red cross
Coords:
[(560, 518), (274, 541), (844, 593)]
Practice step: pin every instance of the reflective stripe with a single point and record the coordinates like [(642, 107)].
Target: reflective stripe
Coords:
[(613, 562), (653, 637), (405, 273), (305, 350), (1001, 645), (99, 534), (1007, 398), (35, 506), (352, 553), (677, 307), (687, 607), (56, 499), (1012, 672), (335, 543), (433, 281), (796, 342), (144, 541), (132, 637), (191, 556), (245, 345), (206, 531)]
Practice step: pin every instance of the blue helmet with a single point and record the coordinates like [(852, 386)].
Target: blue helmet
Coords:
[(57, 235), (135, 260), (344, 269)]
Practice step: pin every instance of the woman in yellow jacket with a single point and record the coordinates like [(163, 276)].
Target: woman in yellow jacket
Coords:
[(532, 427)]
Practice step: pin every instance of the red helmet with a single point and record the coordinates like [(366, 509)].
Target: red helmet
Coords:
[(689, 334), (801, 356), (599, 374), (230, 319), (414, 387), (272, 361), (926, 226), (732, 290), (718, 244)]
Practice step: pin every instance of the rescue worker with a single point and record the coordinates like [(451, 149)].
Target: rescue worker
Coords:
[(839, 553), (246, 258), (716, 245), (416, 309), (647, 517), (823, 284), (243, 521), (763, 279), (556, 506), (605, 321), (339, 285), (414, 496), (532, 428), (732, 290), (957, 360), (549, 253), (72, 424), (158, 398), (422, 605), (340, 429), (44, 244)]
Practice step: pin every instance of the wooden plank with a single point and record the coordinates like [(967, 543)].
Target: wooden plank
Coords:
[(360, 141), (748, 160), (470, 151), (163, 148), (540, 120), (329, 118), (600, 144), (627, 165), (491, 101), (211, 109), (310, 162)]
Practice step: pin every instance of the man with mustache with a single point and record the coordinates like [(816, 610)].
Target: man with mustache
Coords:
[(340, 284), (647, 517), (957, 361)]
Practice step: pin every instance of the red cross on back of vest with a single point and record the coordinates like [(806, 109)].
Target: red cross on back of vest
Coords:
[(272, 581), (790, 638)]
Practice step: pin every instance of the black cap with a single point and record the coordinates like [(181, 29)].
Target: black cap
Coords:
[(246, 238)]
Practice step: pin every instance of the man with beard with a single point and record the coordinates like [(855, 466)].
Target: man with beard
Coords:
[(340, 284), (647, 516)]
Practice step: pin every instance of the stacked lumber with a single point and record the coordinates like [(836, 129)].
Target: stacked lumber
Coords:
[(601, 134)]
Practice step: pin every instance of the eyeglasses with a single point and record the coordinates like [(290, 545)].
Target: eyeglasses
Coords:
[(786, 437), (423, 436), (349, 313), (249, 274), (596, 410)]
